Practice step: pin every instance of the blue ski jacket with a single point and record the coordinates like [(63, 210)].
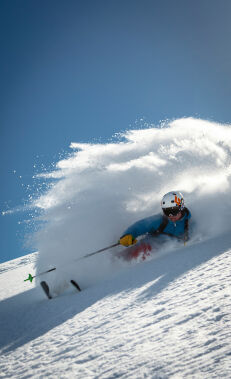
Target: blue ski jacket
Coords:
[(150, 225)]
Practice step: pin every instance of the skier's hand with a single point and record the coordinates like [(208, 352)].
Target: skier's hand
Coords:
[(127, 240)]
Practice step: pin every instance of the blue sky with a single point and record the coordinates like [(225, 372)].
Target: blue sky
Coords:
[(81, 71)]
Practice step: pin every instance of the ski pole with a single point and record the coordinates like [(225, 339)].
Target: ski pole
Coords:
[(31, 277), (98, 251)]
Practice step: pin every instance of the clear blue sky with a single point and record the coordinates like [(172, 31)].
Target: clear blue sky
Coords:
[(83, 70)]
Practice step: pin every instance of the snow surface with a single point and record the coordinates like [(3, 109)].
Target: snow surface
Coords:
[(165, 318), (168, 316)]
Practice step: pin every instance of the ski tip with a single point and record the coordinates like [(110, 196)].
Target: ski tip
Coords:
[(75, 284), (46, 289)]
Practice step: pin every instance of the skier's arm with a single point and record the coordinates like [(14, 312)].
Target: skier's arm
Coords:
[(140, 228)]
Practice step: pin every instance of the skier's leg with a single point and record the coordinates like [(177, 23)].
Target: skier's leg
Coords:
[(141, 248)]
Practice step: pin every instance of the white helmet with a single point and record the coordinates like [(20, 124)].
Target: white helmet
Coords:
[(172, 199)]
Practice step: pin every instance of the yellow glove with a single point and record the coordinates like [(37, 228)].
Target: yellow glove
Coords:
[(127, 240)]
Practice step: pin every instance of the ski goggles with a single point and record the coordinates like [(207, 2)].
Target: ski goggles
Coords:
[(172, 211)]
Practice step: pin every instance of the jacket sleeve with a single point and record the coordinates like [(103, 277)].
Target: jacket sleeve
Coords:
[(144, 226)]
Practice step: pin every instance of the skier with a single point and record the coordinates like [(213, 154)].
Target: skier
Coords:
[(173, 222)]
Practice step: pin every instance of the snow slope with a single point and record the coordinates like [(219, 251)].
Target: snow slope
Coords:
[(165, 318)]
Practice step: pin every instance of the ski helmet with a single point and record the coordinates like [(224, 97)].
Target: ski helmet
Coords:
[(172, 200)]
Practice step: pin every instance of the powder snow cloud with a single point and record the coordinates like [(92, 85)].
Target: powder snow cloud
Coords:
[(102, 188)]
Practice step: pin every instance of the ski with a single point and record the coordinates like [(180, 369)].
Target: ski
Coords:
[(45, 288), (75, 284)]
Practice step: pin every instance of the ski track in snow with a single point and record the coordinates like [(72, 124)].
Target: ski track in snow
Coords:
[(169, 317)]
